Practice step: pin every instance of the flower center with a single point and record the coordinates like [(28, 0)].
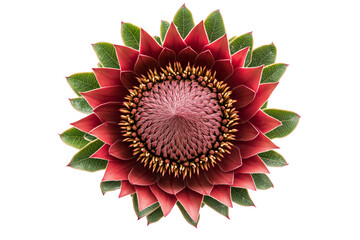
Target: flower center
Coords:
[(178, 119)]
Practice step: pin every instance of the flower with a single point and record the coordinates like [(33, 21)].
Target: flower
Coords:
[(181, 120)]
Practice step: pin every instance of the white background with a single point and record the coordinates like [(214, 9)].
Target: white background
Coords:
[(315, 196)]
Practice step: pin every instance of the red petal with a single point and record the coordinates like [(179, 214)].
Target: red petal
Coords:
[(173, 39), (219, 48), (215, 176), (145, 197), (187, 55), (107, 76), (197, 38), (264, 122), (191, 202), (126, 189), (205, 59), (87, 123), (223, 69), (243, 95), (231, 161), (145, 63), (261, 97), (253, 164), (128, 79), (109, 111), (238, 59), (148, 45), (141, 176), (222, 193), (246, 132), (108, 132), (104, 95), (249, 77), (244, 181), (171, 185), (166, 201), (260, 144), (117, 170), (121, 150), (199, 184), (167, 56), (103, 153), (127, 57)]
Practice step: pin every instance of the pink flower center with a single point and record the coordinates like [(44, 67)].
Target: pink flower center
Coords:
[(178, 119)]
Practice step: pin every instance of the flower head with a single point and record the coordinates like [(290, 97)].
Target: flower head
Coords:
[(181, 119)]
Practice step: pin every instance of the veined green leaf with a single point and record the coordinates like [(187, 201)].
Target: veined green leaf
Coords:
[(241, 42), (272, 159), (81, 105), (217, 206), (288, 119), (273, 72), (241, 196), (83, 82), (155, 216), (232, 38), (214, 26), (82, 159), (74, 137), (264, 55), (186, 215), (164, 27), (157, 38), (130, 35), (145, 211), (110, 186), (184, 21), (106, 54), (262, 181)]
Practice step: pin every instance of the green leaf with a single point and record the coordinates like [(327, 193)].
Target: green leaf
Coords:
[(164, 27), (232, 38), (106, 54), (110, 186), (264, 105), (217, 206), (214, 26), (90, 137), (264, 55), (81, 105), (241, 196), (262, 181), (83, 82), (272, 159), (242, 42), (99, 65), (157, 38), (184, 21), (74, 137), (186, 215), (130, 35), (155, 216), (83, 161), (288, 119), (145, 211), (273, 73)]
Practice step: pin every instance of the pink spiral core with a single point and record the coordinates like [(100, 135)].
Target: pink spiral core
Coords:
[(178, 119)]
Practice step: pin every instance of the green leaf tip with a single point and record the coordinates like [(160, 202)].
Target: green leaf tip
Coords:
[(74, 137), (264, 55), (272, 73), (130, 35), (262, 181), (81, 105), (272, 159), (108, 186), (241, 197), (214, 25), (106, 54), (164, 27), (82, 82), (288, 119), (184, 21)]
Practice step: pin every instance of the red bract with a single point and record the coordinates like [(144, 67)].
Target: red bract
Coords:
[(180, 121)]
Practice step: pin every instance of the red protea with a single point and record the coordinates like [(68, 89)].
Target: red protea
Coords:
[(181, 120)]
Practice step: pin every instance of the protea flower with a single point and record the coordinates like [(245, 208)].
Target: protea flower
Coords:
[(178, 119)]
